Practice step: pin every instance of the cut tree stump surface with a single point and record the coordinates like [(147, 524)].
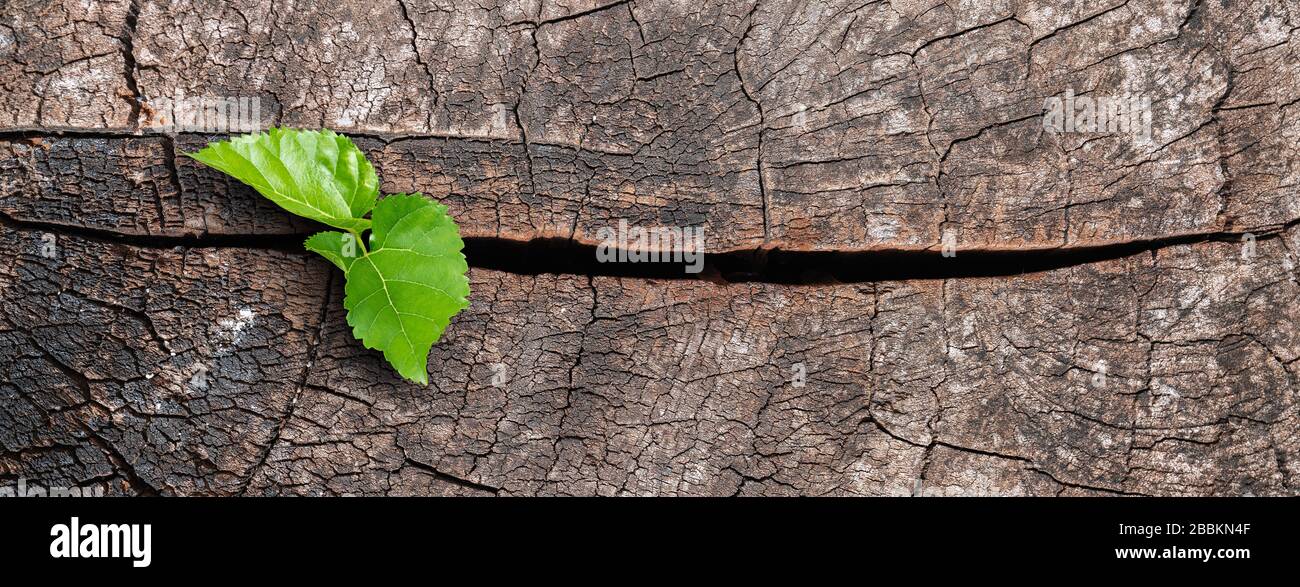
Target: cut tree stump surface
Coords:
[(163, 332)]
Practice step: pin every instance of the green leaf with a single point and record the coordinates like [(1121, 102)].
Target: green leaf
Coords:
[(403, 289), (315, 174), (401, 294)]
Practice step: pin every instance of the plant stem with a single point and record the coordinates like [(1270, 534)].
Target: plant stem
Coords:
[(357, 236)]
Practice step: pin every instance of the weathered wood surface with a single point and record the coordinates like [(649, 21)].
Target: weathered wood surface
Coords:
[(1164, 373), (150, 342), (826, 126)]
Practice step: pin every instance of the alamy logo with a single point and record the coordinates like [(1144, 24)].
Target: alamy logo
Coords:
[(215, 114), (1126, 113), (24, 489), (656, 244), (75, 540)]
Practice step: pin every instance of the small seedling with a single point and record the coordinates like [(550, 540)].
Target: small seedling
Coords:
[(405, 281)]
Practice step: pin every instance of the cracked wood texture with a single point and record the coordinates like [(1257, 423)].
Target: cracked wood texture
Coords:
[(1160, 373), (149, 342)]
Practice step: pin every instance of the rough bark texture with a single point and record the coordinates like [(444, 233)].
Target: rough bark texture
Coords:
[(161, 331)]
